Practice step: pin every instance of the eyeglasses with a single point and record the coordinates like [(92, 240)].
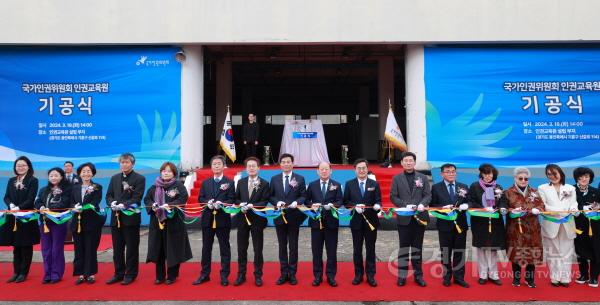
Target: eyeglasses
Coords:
[(523, 179), (449, 172)]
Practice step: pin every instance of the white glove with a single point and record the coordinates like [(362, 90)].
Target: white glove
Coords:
[(293, 205), (587, 207), (211, 201), (574, 211), (13, 207), (377, 207), (165, 206), (448, 206), (358, 209), (328, 206), (516, 210), (411, 206), (42, 209), (121, 206), (420, 208), (280, 204), (249, 205), (113, 205), (535, 211), (77, 208), (315, 206), (489, 209), (218, 205), (463, 207), (210, 205), (154, 206), (243, 204), (503, 211), (244, 209)]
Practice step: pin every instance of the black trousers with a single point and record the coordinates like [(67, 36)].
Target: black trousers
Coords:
[(22, 259), (589, 268), (287, 235), (243, 236), (126, 250), (529, 272), (452, 246), (250, 149), (86, 244), (208, 238), (367, 237), (162, 269), (411, 249), (329, 238)]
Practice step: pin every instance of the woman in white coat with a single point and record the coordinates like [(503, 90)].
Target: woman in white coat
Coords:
[(558, 237)]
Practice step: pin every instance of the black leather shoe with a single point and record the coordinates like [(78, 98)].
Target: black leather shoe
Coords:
[(80, 280), (566, 285), (169, 281), (581, 279), (224, 282), (372, 282), (316, 282), (293, 280), (114, 279), (331, 282), (461, 283), (401, 282), (12, 278), (516, 282), (357, 280), (91, 279), (201, 279), (239, 280), (282, 279), (128, 280), (21, 278), (555, 284), (46, 281), (481, 281), (420, 281), (530, 284), (447, 282), (158, 282), (258, 281), (54, 281), (593, 283), (496, 282)]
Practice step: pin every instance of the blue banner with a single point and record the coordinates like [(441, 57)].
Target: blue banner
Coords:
[(84, 104), (513, 105)]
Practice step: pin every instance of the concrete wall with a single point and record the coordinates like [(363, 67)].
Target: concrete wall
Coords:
[(300, 21)]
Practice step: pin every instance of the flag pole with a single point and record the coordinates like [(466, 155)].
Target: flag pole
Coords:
[(225, 165), (389, 143)]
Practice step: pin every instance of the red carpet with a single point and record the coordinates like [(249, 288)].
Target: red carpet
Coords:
[(144, 289), (105, 244)]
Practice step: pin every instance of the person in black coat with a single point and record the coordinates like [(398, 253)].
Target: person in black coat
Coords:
[(587, 244), (250, 134), (322, 195), (69, 174), (167, 236), (124, 195), (288, 190), (450, 194), (410, 190), (489, 234), (87, 224), (20, 195), (365, 195), (55, 197), (251, 192), (215, 193)]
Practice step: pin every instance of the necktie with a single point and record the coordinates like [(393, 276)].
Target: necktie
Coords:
[(250, 187), (286, 184), (217, 180), (362, 189), (70, 178), (451, 192), (323, 188)]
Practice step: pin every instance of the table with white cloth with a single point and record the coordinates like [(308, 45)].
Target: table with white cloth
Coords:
[(305, 140)]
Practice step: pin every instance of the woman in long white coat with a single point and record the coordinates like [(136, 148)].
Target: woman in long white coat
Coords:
[(558, 237)]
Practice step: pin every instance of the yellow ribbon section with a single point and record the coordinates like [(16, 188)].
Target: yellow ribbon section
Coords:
[(79, 223)]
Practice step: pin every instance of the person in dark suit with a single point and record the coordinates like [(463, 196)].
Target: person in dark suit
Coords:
[(124, 195), (168, 242), (56, 197), (587, 245), (215, 193), (87, 224), (250, 134), (20, 195), (251, 192), (411, 190), (69, 174), (322, 195), (365, 195), (450, 194), (287, 191)]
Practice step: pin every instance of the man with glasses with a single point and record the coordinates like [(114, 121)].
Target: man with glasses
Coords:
[(364, 195), (451, 194)]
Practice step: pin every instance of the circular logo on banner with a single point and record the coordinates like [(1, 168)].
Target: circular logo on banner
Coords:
[(229, 135)]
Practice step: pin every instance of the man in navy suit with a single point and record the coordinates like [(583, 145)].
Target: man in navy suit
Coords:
[(251, 192), (411, 190), (322, 195), (287, 191), (365, 195), (215, 193), (450, 194)]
